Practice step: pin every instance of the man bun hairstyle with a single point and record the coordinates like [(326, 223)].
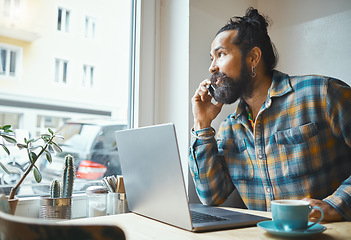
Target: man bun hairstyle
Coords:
[(252, 32)]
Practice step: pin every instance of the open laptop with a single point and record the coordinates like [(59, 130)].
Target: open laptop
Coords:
[(154, 182)]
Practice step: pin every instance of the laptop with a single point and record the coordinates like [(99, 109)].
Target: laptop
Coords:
[(155, 186)]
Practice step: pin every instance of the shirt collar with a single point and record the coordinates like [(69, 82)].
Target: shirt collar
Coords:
[(279, 87)]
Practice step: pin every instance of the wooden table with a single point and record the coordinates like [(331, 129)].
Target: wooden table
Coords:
[(140, 228)]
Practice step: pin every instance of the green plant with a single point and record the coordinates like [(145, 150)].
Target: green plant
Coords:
[(55, 189), (35, 148), (6, 133), (67, 180)]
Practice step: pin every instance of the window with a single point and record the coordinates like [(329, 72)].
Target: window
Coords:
[(61, 71), (44, 122), (9, 60), (10, 118), (89, 27), (11, 9), (51, 70), (63, 20), (88, 76)]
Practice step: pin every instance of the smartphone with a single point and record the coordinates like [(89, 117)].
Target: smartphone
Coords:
[(210, 89)]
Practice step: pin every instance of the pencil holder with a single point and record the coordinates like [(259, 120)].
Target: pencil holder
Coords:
[(117, 203)]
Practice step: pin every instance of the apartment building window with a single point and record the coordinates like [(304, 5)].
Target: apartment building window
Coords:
[(11, 9), (90, 27), (61, 67), (10, 118), (88, 76), (9, 60), (44, 122), (63, 20)]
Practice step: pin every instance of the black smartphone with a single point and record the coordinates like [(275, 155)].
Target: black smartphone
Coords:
[(210, 89)]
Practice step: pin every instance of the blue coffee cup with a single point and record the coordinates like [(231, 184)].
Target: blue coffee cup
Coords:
[(292, 215)]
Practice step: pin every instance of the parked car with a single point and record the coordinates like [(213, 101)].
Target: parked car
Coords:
[(92, 143)]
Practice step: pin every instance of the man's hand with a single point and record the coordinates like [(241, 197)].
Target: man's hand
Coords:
[(330, 214), (204, 110)]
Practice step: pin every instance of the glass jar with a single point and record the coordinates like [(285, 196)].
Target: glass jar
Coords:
[(96, 201)]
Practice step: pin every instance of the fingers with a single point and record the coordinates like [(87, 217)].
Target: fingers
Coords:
[(330, 213), (201, 92)]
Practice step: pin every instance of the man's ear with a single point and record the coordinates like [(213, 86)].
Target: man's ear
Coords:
[(255, 56)]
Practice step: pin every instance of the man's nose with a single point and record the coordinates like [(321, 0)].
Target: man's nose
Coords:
[(213, 68)]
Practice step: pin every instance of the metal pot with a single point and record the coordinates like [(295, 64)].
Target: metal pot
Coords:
[(55, 208)]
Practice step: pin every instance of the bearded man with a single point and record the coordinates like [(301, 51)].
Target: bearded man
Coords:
[(289, 138)]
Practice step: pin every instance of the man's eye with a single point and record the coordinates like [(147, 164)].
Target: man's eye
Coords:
[(221, 54)]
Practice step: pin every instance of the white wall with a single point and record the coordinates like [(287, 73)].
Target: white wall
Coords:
[(312, 37), (174, 71)]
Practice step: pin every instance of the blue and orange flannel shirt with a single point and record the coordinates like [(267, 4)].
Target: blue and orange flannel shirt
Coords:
[(299, 146)]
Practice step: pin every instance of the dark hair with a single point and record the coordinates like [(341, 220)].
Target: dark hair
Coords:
[(252, 32)]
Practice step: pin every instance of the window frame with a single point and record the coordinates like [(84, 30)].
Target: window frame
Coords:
[(11, 9), (61, 71), (30, 202), (89, 27), (62, 21), (18, 61), (89, 72)]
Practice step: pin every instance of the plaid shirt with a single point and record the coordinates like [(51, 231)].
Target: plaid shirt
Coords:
[(300, 146)]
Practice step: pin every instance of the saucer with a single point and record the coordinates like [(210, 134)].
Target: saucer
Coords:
[(270, 227)]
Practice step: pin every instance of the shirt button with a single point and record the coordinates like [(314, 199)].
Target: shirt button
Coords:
[(260, 156), (268, 190)]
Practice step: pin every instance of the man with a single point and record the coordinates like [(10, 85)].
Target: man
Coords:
[(289, 138)]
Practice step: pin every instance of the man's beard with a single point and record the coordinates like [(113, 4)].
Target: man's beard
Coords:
[(231, 89)]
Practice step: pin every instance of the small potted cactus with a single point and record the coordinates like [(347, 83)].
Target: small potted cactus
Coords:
[(58, 204)]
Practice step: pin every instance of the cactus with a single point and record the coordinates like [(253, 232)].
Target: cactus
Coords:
[(68, 177), (55, 189)]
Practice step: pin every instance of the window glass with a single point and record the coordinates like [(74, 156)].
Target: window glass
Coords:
[(61, 71), (9, 60), (65, 56), (10, 118), (59, 19), (78, 136), (2, 61), (90, 27), (88, 76), (13, 63)]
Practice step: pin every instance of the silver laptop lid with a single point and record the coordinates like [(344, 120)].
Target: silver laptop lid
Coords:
[(153, 174)]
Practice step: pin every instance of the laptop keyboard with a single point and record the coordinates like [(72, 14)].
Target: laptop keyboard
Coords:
[(198, 217)]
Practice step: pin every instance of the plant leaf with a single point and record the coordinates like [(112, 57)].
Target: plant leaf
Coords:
[(48, 156), (21, 146), (34, 147), (59, 136), (4, 168), (33, 156), (51, 150), (56, 147), (45, 135), (9, 139), (37, 174), (6, 127), (6, 149), (50, 131)]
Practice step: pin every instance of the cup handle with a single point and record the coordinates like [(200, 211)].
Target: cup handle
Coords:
[(320, 219)]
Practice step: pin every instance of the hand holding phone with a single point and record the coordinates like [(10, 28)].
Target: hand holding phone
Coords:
[(210, 89)]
